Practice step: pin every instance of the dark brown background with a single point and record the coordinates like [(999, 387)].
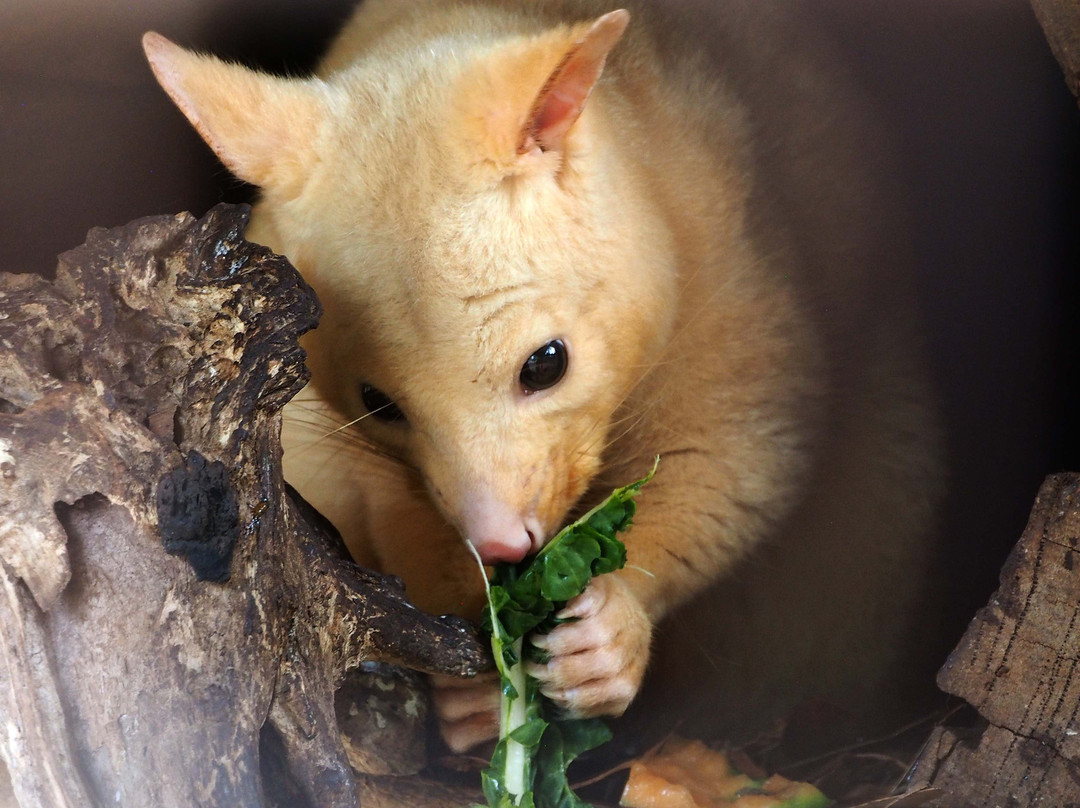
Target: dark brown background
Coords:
[(989, 136)]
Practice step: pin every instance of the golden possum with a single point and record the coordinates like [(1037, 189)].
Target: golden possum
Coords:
[(556, 239)]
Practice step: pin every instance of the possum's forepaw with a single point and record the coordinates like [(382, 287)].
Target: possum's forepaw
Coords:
[(468, 709), (598, 661), (595, 668)]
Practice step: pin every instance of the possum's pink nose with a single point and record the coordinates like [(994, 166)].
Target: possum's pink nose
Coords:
[(497, 551), (498, 533)]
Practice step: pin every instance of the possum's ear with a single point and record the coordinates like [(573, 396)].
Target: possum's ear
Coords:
[(523, 98), (260, 126), (563, 96)]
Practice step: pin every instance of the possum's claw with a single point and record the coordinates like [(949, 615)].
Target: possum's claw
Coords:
[(597, 662)]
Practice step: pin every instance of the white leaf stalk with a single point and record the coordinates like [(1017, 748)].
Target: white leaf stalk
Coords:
[(513, 710), (512, 714)]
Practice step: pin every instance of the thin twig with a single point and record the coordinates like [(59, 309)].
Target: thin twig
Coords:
[(652, 750), (940, 719)]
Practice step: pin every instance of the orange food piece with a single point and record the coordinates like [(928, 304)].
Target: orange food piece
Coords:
[(687, 774), (646, 789)]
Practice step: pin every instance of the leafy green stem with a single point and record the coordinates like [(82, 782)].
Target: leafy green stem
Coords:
[(528, 767)]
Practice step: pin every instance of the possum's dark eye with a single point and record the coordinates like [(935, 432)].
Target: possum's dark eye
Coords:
[(380, 405), (544, 368)]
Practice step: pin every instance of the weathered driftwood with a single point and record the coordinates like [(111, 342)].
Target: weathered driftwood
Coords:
[(1019, 666), (175, 623), (1060, 21)]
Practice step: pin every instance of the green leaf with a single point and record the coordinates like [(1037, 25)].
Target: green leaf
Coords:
[(565, 575), (564, 741), (491, 779), (811, 799), (523, 598), (529, 734)]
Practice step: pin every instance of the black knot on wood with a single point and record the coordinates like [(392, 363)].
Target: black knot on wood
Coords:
[(198, 517)]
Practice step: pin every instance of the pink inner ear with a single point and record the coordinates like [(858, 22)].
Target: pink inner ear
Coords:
[(558, 111), (563, 97)]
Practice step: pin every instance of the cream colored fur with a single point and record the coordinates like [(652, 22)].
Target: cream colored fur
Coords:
[(703, 237)]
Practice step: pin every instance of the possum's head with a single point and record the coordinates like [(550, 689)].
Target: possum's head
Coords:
[(493, 281)]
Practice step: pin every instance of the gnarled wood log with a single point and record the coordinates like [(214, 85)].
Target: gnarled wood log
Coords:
[(174, 621), (1019, 666)]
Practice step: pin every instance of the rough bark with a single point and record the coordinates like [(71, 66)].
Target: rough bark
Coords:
[(1019, 666), (1060, 21), (175, 624)]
